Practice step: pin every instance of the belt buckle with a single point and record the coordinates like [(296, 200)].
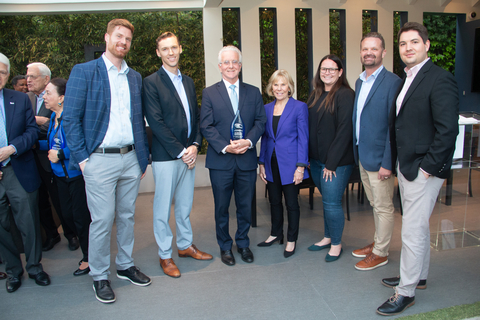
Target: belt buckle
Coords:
[(123, 150)]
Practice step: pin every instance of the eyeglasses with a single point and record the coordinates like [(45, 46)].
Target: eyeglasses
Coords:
[(328, 70), (234, 62), (32, 77), (3, 73)]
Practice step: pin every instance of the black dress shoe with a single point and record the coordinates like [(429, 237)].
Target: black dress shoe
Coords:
[(227, 257), (50, 243), (73, 244), (81, 272), (13, 283), (41, 278), (268, 244), (287, 254), (395, 305), (134, 275), (246, 254), (395, 281), (103, 291), (3, 275)]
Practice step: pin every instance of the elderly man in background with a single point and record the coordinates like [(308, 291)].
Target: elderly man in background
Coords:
[(38, 76)]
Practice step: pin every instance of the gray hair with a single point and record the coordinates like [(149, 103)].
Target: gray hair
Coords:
[(5, 61), (229, 48), (42, 68)]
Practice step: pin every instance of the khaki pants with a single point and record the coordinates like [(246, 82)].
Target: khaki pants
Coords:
[(380, 195)]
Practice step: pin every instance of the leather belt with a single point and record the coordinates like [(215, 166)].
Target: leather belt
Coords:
[(122, 150)]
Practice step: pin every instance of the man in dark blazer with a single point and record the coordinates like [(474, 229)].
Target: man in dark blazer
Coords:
[(424, 127), (105, 129), (170, 106), (375, 92), (232, 163), (38, 76), (19, 181)]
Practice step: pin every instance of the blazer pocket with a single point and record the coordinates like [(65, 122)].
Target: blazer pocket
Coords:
[(421, 148)]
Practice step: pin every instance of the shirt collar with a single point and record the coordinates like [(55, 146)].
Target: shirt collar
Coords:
[(228, 84), (40, 96), (363, 75), (414, 70), (173, 75), (123, 68)]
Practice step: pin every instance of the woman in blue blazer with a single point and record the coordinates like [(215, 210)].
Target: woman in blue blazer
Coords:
[(284, 157), (70, 183)]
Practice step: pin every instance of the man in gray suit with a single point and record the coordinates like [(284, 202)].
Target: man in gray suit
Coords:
[(38, 76), (375, 92), (170, 106)]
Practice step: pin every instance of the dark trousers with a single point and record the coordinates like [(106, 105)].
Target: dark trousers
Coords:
[(290, 192), (73, 201), (224, 182), (24, 210), (48, 190)]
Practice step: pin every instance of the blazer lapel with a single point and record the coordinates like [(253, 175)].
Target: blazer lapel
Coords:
[(418, 79), (269, 110), (169, 84), (102, 68), (242, 94), (376, 85), (226, 99), (9, 106), (285, 114)]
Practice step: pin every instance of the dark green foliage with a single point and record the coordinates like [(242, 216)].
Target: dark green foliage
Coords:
[(230, 21), (336, 45), (301, 43), (397, 62), (442, 31), (59, 40), (267, 49)]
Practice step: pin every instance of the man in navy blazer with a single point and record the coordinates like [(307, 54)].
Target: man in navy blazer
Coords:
[(105, 129), (375, 92), (424, 128), (170, 106), (232, 163), (19, 181)]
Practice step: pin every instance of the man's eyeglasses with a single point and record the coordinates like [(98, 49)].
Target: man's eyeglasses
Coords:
[(32, 77), (234, 62), (3, 73)]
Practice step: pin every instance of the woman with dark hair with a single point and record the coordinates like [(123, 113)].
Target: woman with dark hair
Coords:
[(330, 147), (283, 157), (71, 186)]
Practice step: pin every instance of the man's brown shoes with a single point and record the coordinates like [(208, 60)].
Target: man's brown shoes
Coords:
[(169, 268), (363, 252), (193, 252)]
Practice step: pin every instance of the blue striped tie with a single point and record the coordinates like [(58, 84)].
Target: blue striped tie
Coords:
[(234, 99)]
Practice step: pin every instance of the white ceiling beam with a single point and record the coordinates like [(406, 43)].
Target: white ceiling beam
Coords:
[(443, 3)]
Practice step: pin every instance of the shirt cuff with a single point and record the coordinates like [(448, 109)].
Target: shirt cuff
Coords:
[(83, 161), (425, 172), (181, 153), (251, 144), (224, 150)]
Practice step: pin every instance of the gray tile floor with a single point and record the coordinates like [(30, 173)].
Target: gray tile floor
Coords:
[(301, 287)]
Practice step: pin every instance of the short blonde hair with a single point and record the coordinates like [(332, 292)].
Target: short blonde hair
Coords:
[(281, 74)]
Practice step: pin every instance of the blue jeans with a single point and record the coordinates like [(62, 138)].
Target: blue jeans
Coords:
[(332, 194)]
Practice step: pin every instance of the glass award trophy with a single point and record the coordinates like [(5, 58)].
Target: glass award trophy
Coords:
[(237, 131)]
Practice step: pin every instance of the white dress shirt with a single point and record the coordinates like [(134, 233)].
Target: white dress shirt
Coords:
[(120, 132)]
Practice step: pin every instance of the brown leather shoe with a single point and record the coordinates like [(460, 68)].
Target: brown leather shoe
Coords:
[(193, 252), (371, 262), (363, 252), (169, 268)]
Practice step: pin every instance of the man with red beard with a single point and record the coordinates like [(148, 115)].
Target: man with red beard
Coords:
[(105, 129)]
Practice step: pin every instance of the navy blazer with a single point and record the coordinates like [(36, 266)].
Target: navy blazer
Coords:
[(22, 132), (87, 111), (290, 143), (166, 116), (373, 149), (424, 132), (216, 117)]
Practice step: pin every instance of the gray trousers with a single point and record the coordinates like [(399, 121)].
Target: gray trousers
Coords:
[(172, 180), (111, 184), (24, 207), (418, 200)]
